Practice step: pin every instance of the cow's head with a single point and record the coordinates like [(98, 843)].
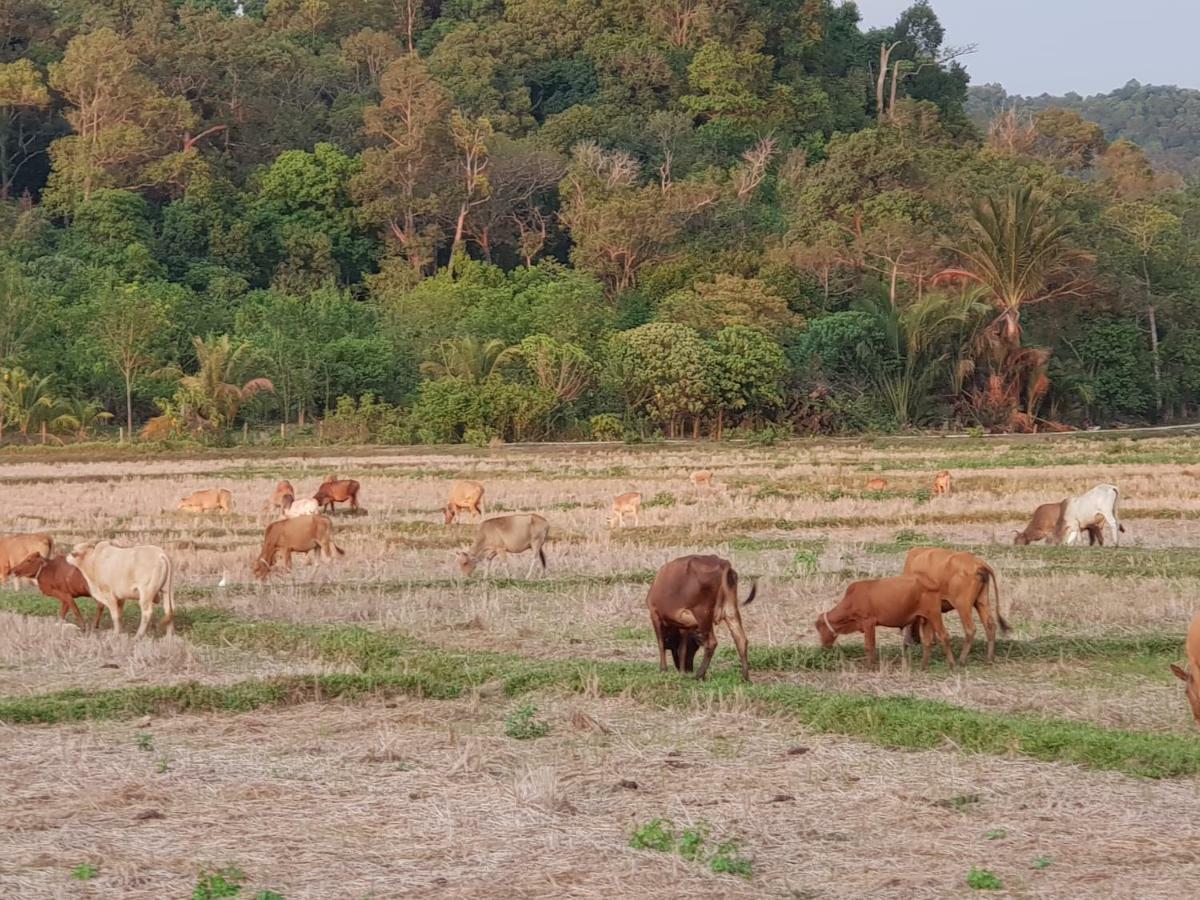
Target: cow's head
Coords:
[(261, 569), (78, 557), (1020, 538), (825, 631), (30, 566), (466, 562), (1193, 689)]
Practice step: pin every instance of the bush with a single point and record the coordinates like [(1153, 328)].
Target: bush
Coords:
[(366, 420), (606, 427), (522, 726)]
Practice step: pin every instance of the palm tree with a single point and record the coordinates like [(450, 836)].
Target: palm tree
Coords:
[(26, 401), (211, 397), (469, 359), (81, 417), (1019, 252)]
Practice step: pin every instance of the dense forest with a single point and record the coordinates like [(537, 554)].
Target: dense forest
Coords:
[(1163, 120), (413, 220)]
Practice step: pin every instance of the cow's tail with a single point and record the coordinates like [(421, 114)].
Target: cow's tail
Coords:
[(337, 549), (168, 596), (542, 557), (989, 574), (731, 584)]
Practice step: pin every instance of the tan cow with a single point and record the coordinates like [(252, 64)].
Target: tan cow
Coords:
[(332, 491), (941, 483), (888, 603), (465, 497), (688, 598), (115, 574), (300, 535), (625, 504), (1044, 526), (16, 548), (503, 535), (701, 478), (207, 501), (963, 580), (1191, 676), (877, 484), (283, 489)]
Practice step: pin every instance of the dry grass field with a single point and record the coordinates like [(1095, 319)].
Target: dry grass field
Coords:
[(382, 727)]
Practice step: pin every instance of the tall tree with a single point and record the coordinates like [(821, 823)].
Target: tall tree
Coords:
[(127, 325)]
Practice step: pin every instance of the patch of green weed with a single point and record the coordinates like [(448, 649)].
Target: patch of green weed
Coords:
[(983, 880), (522, 725)]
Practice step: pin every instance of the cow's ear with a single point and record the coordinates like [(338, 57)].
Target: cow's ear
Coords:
[(1180, 674)]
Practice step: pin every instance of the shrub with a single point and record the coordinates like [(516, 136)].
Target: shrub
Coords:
[(522, 725), (657, 834), (367, 420), (606, 427), (983, 880)]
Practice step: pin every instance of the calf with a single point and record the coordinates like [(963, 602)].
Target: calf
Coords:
[(941, 483), (1096, 508), (1191, 676), (299, 535), (207, 501), (503, 535), (877, 484), (114, 574), (688, 598), (1044, 526), (963, 581), (888, 603), (59, 579), (623, 504), (16, 548), (465, 497), (332, 491), (701, 478)]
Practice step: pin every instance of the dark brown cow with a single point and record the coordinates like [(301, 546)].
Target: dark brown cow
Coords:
[(331, 492), (689, 597), (59, 579), (888, 603)]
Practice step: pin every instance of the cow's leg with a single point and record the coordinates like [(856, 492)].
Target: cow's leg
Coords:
[(66, 602), (926, 641), (988, 617), (966, 613), (710, 648), (533, 561), (662, 641), (114, 611), (868, 627), (683, 659), (939, 629), (738, 633), (1115, 524), (146, 605)]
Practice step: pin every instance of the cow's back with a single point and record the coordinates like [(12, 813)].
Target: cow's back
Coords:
[(124, 569), (689, 582)]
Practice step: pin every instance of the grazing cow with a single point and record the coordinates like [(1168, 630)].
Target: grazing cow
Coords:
[(877, 484), (59, 579), (1098, 507), (300, 535), (141, 573), (963, 580), (503, 535), (701, 478), (941, 483), (332, 491), (688, 598), (16, 548), (465, 497), (888, 603), (294, 509), (207, 501), (625, 504), (1044, 525), (1191, 676), (283, 489)]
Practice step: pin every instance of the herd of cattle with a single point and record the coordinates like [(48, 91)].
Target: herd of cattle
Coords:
[(688, 598)]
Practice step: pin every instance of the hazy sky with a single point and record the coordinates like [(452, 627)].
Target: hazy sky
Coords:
[(1056, 46)]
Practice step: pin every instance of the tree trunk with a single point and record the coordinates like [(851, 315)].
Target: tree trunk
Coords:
[(129, 403), (1154, 358)]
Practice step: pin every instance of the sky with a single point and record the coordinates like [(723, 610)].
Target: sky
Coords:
[(1056, 46)]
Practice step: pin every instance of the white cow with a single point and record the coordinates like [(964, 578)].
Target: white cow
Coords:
[(116, 574), (1098, 507), (294, 509)]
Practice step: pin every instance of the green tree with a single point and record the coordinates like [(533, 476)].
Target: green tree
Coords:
[(22, 90), (729, 300), (127, 324), (468, 359), (749, 371), (665, 370), (209, 399)]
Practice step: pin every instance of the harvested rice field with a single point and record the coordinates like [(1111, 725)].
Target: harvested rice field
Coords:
[(382, 726)]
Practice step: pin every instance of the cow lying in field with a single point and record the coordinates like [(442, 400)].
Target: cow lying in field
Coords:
[(115, 574), (207, 501), (16, 548), (300, 535), (888, 603), (465, 497), (294, 509), (333, 491), (1191, 676), (1098, 507), (877, 484), (688, 598), (1044, 526), (963, 580), (502, 535), (60, 580)]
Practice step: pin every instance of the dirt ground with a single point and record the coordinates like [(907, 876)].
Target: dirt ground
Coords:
[(414, 797)]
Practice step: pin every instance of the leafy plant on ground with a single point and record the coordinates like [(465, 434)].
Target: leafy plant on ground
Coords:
[(84, 872), (522, 725), (983, 880), (145, 742), (996, 834), (728, 861), (1042, 862), (657, 834), (226, 882), (911, 538), (663, 498)]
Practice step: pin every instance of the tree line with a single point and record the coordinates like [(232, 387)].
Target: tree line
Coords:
[(473, 220)]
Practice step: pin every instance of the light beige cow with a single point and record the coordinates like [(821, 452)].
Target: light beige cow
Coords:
[(294, 509), (465, 497), (503, 535), (209, 500), (701, 478), (115, 574), (625, 504)]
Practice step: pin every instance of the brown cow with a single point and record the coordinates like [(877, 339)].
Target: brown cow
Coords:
[(288, 536), (1191, 677), (877, 484), (888, 603), (625, 504), (689, 597), (465, 497), (283, 489), (1044, 526), (207, 501), (59, 579), (16, 548), (331, 492), (963, 579), (941, 483)]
